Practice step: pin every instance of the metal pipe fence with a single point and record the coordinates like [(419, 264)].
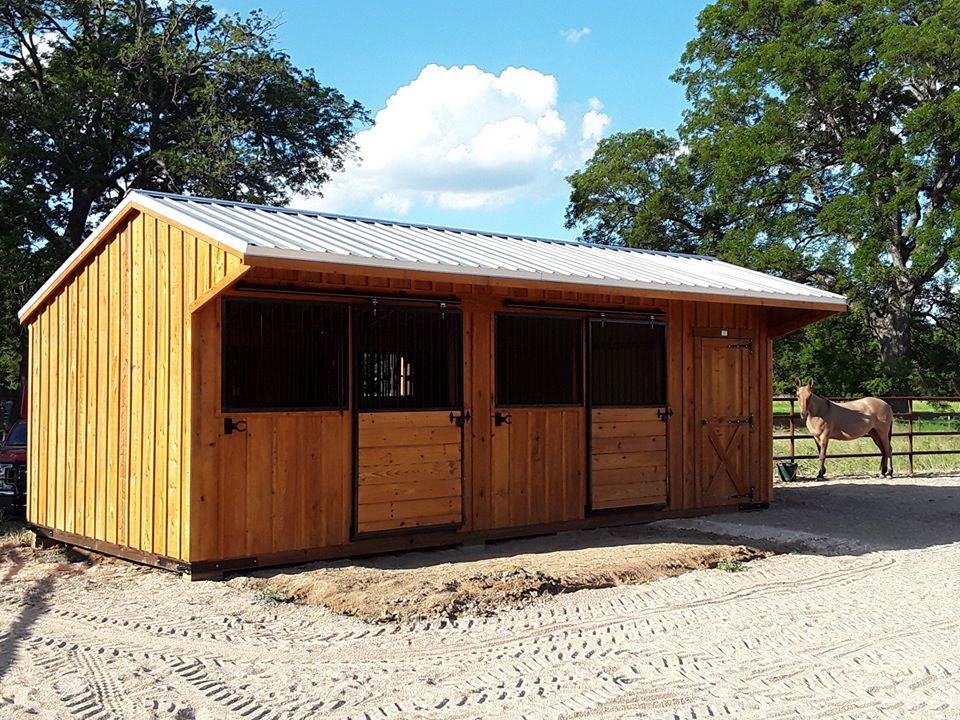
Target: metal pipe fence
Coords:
[(908, 416)]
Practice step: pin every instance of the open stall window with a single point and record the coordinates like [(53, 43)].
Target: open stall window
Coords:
[(409, 358), (539, 361), (627, 364), (283, 355)]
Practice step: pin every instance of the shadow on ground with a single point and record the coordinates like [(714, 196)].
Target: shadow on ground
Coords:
[(846, 516)]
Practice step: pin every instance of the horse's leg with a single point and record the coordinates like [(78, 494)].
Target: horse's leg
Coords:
[(889, 448), (823, 441), (881, 445)]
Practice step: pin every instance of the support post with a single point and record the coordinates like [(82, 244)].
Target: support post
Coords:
[(793, 450), (909, 432)]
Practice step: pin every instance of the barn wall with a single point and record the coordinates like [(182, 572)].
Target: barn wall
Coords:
[(282, 484), (110, 392), (286, 484)]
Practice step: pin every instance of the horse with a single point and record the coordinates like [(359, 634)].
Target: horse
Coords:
[(827, 420)]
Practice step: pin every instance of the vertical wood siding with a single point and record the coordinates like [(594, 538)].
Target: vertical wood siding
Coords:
[(127, 441), (283, 484), (109, 443)]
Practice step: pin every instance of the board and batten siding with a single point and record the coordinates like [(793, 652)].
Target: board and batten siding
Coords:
[(127, 440), (110, 413), (286, 484)]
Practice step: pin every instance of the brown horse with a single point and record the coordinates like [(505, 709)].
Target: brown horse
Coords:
[(827, 420)]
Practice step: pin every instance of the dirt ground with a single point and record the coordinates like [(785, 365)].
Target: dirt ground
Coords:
[(854, 617), (502, 575)]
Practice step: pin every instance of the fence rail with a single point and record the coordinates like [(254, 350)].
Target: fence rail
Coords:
[(909, 415)]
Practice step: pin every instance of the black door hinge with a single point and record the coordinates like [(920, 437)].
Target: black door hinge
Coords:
[(665, 414), (748, 495)]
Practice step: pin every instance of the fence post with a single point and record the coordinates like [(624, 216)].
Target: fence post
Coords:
[(910, 433), (793, 451)]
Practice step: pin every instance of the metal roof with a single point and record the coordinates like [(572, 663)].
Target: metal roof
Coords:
[(309, 236)]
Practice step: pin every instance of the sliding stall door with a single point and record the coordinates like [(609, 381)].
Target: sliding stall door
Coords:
[(409, 399), (628, 428), (538, 440)]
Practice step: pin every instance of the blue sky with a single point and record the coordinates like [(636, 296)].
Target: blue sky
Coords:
[(462, 142)]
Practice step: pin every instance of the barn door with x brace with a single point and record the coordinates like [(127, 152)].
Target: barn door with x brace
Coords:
[(408, 390), (725, 415)]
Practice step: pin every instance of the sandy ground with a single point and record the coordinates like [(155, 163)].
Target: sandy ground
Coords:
[(858, 619)]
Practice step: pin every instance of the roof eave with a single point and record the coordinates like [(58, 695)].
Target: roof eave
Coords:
[(262, 256), (132, 202)]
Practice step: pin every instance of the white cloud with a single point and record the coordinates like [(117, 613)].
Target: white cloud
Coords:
[(44, 44), (574, 35), (462, 138)]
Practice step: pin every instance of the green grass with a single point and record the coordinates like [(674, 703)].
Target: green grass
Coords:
[(782, 407), (859, 466), (731, 565), (269, 596)]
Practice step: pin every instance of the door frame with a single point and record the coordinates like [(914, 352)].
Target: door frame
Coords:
[(732, 334), (588, 403), (354, 361)]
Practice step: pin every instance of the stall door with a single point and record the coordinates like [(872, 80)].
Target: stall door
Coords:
[(725, 398), (539, 420), (628, 417), (410, 417)]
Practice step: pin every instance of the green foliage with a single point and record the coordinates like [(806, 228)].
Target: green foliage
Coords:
[(731, 565), (269, 596), (839, 352), (100, 97), (822, 143)]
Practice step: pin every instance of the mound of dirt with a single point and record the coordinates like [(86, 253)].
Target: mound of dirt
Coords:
[(450, 583)]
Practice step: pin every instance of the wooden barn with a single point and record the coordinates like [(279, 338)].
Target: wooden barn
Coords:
[(217, 385)]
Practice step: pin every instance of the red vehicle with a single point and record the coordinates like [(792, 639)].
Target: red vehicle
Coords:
[(13, 469)]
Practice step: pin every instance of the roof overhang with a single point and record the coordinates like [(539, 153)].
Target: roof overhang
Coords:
[(321, 261), (317, 261), (131, 203)]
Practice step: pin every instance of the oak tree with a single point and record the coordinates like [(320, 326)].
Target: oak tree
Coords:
[(101, 96), (822, 141)]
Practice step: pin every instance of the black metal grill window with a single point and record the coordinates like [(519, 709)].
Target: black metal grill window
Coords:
[(283, 355), (627, 364), (538, 361), (408, 358)]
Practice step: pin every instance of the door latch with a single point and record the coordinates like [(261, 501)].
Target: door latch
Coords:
[(665, 414), (502, 418), (230, 425), (741, 421), (459, 419)]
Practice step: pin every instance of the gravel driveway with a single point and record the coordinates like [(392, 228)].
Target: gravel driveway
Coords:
[(859, 619)]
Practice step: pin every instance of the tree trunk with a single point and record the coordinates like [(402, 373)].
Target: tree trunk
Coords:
[(893, 327), (76, 229)]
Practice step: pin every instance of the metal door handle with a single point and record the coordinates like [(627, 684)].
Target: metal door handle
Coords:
[(230, 425)]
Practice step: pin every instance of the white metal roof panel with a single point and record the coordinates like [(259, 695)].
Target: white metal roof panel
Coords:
[(257, 230)]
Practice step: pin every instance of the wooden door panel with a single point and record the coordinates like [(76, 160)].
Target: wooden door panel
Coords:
[(539, 464), (409, 471), (725, 412), (628, 458), (283, 483)]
